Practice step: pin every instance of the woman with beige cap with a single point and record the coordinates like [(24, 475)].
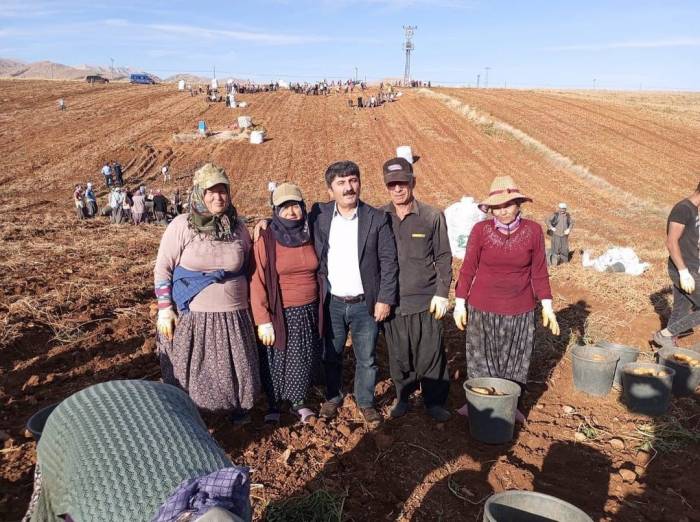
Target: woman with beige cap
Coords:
[(503, 275), (284, 296), (202, 269)]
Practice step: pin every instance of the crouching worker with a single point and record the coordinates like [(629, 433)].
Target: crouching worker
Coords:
[(134, 450)]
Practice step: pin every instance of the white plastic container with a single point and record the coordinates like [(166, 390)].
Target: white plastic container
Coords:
[(243, 104), (461, 218), (244, 122), (404, 151), (181, 85), (257, 137), (214, 83)]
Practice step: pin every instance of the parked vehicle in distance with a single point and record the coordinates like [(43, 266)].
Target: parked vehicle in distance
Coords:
[(141, 78), (96, 78)]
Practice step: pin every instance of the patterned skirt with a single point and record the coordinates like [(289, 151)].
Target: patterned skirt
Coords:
[(288, 374), (213, 357), (500, 345)]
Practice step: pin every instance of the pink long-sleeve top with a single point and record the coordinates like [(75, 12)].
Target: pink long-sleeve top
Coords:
[(180, 245), (503, 274)]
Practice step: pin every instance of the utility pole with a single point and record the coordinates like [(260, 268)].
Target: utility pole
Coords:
[(215, 71), (478, 76), (112, 67), (355, 74), (408, 47), (594, 83), (486, 79)]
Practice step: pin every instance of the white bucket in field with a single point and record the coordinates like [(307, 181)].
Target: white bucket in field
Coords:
[(404, 151), (181, 85), (244, 122), (243, 104), (257, 137)]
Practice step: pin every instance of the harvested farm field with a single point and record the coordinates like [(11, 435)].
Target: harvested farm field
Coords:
[(76, 296)]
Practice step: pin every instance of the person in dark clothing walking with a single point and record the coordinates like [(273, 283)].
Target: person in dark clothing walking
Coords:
[(117, 172), (160, 208), (414, 331), (683, 266), (357, 261), (559, 227)]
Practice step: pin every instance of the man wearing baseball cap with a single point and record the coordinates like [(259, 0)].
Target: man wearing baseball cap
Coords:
[(559, 226), (414, 332)]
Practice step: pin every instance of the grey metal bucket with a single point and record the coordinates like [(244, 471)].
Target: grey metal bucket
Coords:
[(628, 354), (647, 394), (492, 417), (530, 506), (687, 378), (594, 369), (36, 422)]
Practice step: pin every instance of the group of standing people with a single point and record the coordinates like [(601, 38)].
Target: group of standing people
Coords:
[(113, 174), (85, 201), (236, 315)]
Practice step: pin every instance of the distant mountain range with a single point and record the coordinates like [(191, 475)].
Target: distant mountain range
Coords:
[(57, 71)]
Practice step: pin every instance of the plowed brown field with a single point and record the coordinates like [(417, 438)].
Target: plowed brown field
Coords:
[(74, 296)]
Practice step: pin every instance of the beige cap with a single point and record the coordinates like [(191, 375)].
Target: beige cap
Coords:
[(286, 192), (210, 175)]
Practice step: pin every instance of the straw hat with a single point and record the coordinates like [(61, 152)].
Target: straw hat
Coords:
[(503, 190)]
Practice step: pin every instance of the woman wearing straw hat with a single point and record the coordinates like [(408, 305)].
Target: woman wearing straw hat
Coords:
[(202, 269), (503, 274), (284, 296)]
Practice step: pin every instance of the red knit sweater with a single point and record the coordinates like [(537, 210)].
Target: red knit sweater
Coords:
[(503, 274)]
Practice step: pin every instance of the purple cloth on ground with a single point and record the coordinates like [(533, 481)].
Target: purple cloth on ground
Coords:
[(228, 488)]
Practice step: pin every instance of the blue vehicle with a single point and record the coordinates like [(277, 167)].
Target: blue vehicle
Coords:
[(141, 78)]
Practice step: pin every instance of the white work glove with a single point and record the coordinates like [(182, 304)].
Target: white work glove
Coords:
[(266, 334), (460, 313), (566, 232), (549, 320), (687, 281), (438, 306), (166, 322)]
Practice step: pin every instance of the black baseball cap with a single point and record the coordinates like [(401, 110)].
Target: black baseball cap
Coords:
[(397, 169)]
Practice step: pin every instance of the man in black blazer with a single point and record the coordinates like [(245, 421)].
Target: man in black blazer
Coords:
[(357, 260)]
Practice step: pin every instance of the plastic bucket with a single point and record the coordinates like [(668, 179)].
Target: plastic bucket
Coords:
[(530, 506), (202, 127), (244, 122), (594, 369), (492, 417), (36, 422), (404, 151), (647, 394), (257, 137), (687, 377), (628, 354)]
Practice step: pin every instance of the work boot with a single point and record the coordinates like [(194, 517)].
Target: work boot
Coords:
[(329, 410), (438, 413), (399, 409), (371, 416)]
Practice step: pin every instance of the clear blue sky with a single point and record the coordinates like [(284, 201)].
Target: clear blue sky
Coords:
[(621, 44)]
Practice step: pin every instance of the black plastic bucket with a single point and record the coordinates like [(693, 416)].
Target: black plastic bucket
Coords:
[(628, 354), (594, 369), (492, 417), (530, 506), (647, 394), (36, 422), (687, 377)]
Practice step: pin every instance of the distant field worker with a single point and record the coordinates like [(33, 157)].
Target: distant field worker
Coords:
[(284, 296), (116, 199), (138, 208), (107, 173), (79, 202), (559, 227), (503, 274), (413, 332), (160, 208), (683, 265), (202, 269), (61, 104), (90, 201), (134, 450)]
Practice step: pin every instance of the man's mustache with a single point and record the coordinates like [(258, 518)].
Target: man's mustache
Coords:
[(349, 193)]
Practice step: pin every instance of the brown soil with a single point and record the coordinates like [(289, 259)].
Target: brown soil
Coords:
[(74, 297)]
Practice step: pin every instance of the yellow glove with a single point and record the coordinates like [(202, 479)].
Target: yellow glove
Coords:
[(166, 322), (549, 320), (438, 306), (266, 334), (687, 281), (460, 313)]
